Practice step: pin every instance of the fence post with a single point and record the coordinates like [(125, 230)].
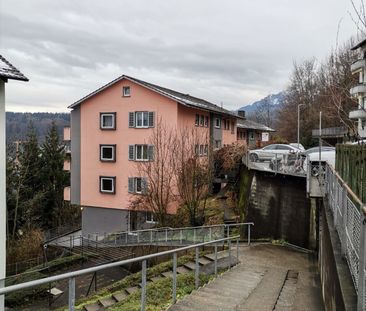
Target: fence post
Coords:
[(197, 269), (210, 234), (194, 235), (151, 236), (96, 242), (248, 234), (174, 278), (70, 242), (228, 231), (215, 259), (237, 249), (229, 244), (143, 285), (181, 236), (361, 274), (166, 235), (71, 294)]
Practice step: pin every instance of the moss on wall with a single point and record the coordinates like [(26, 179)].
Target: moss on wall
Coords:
[(245, 182)]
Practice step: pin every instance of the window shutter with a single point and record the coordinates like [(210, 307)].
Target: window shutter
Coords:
[(151, 152), (131, 119), (144, 185), (131, 184), (151, 118), (131, 152)]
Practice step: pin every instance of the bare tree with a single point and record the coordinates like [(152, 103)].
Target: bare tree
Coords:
[(193, 167), (156, 176)]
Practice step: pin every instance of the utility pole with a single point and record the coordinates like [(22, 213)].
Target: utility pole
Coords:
[(320, 138)]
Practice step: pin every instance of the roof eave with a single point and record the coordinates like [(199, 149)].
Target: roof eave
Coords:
[(358, 45)]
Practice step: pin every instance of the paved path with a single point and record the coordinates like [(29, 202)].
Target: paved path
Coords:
[(268, 278)]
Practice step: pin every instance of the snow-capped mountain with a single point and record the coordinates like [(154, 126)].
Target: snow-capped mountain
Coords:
[(273, 101)]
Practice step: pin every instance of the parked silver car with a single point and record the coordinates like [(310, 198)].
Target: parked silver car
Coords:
[(269, 152)]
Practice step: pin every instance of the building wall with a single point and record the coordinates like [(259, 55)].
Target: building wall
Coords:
[(111, 100), (229, 136)]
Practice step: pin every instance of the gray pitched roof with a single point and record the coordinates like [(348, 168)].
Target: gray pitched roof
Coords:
[(8, 71), (249, 124), (184, 99), (358, 45)]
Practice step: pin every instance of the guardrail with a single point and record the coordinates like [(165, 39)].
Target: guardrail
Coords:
[(350, 222), (143, 259), (176, 236)]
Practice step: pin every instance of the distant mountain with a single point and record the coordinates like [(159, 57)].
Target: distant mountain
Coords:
[(265, 111), (17, 124), (272, 100)]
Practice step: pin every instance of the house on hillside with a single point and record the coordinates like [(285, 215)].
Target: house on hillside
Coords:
[(251, 133), (108, 135), (359, 91)]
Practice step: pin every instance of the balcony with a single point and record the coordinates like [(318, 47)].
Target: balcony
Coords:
[(357, 114), (358, 65), (67, 147), (67, 165), (67, 133), (358, 89), (67, 193)]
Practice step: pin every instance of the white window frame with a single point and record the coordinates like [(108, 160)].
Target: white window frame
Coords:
[(143, 113), (217, 123), (151, 218), (113, 159), (143, 147), (113, 179), (197, 120), (108, 114), (126, 91)]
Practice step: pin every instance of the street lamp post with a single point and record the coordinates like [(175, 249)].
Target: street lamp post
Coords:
[(298, 124)]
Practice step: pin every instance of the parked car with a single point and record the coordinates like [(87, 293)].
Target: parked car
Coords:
[(268, 152), (299, 146), (327, 155)]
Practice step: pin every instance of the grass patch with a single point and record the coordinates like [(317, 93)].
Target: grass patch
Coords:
[(159, 294)]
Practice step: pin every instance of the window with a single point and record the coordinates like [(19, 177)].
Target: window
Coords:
[(206, 121), (197, 150), (197, 122), (141, 152), (137, 185), (217, 143), (149, 216), (232, 127), (126, 91), (217, 123), (251, 135), (108, 153), (107, 184), (202, 120), (202, 149), (205, 152), (108, 121), (141, 119)]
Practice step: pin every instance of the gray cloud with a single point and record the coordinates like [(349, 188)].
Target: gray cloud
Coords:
[(233, 52)]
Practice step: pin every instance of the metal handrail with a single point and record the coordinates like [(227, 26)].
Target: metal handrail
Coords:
[(72, 275)]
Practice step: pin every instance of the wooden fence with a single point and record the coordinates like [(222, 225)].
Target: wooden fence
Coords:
[(351, 165)]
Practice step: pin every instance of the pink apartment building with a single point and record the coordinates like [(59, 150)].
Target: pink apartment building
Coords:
[(109, 132)]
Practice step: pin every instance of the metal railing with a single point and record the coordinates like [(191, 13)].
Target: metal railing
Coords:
[(176, 236), (71, 276), (350, 222), (288, 163)]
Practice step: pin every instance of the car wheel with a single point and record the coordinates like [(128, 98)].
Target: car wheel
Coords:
[(253, 157)]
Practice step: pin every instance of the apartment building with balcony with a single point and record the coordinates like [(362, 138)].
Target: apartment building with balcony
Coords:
[(359, 91), (109, 134)]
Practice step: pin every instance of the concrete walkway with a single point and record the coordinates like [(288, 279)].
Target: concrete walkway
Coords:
[(269, 277)]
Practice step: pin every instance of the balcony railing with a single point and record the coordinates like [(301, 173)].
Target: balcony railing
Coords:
[(358, 65), (330, 132), (357, 114), (358, 89)]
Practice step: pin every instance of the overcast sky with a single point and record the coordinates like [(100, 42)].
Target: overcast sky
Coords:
[(233, 51)]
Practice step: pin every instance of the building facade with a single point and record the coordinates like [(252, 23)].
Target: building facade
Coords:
[(109, 134), (359, 91)]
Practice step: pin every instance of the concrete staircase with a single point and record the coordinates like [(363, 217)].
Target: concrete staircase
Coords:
[(206, 263), (244, 289)]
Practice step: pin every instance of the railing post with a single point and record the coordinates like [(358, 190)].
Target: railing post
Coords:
[(210, 234), (248, 234), (96, 242), (151, 236), (126, 234), (143, 285), (197, 281), (174, 278), (181, 236), (237, 249), (215, 259), (71, 294), (166, 235), (361, 268), (138, 237), (229, 245), (70, 242), (115, 239), (228, 231), (194, 235)]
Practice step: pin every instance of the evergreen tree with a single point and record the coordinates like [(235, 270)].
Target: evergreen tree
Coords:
[(53, 176)]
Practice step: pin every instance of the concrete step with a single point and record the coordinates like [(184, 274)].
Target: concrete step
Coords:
[(204, 261), (131, 290), (168, 274), (190, 265), (266, 293), (183, 269), (156, 278), (93, 307), (119, 296), (107, 302)]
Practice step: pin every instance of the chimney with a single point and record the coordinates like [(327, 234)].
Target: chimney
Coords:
[(241, 113)]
